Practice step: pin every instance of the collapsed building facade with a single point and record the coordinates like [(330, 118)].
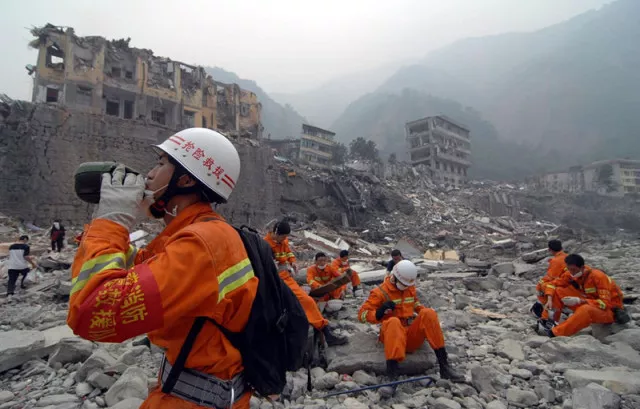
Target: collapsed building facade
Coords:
[(613, 177), (99, 76), (442, 146), (316, 145)]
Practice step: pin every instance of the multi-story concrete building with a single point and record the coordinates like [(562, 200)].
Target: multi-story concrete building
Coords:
[(442, 146), (96, 75), (316, 145), (615, 177)]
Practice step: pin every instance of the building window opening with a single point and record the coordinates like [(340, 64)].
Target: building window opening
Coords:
[(52, 94), (128, 109), (158, 116), (116, 72), (113, 108), (188, 118), (204, 122), (55, 57), (128, 75)]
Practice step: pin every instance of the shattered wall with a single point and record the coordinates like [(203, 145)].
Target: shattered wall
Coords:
[(41, 146)]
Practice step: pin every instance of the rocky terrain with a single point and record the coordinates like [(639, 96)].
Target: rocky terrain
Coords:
[(482, 303)]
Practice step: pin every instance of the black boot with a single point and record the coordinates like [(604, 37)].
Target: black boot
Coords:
[(332, 339), (536, 309), (144, 341), (446, 372), (392, 368)]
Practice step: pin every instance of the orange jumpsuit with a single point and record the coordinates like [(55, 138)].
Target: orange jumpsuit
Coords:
[(545, 288), (342, 266), (283, 255), (398, 336), (191, 269), (317, 278), (600, 295)]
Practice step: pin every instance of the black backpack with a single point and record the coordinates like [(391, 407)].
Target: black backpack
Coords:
[(274, 340)]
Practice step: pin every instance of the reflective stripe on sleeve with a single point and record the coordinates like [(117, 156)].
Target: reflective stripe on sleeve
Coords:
[(94, 266), (234, 277)]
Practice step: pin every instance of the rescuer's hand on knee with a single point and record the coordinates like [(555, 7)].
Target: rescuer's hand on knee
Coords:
[(572, 301), (121, 197), (385, 308)]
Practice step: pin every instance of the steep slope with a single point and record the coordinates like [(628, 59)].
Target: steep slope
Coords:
[(381, 118), (324, 104), (572, 86), (279, 121)]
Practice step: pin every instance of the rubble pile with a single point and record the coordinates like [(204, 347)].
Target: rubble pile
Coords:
[(477, 271)]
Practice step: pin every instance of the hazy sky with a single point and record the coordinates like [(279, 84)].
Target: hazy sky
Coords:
[(285, 45)]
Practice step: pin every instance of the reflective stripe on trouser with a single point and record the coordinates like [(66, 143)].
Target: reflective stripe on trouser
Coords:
[(94, 266), (204, 389), (314, 316), (584, 315), (398, 339)]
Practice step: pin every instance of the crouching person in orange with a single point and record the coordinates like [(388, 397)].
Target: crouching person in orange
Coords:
[(341, 265), (589, 292), (545, 287), (395, 304), (286, 262), (197, 266), (321, 273)]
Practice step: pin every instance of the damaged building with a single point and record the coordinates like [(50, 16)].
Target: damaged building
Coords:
[(99, 76), (441, 146), (316, 145)]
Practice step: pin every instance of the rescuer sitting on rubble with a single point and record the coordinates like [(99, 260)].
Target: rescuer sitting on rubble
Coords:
[(197, 266), (320, 274), (592, 295), (396, 257), (545, 287), (405, 322), (341, 265), (286, 262)]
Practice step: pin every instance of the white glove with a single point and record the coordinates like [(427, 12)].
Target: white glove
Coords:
[(122, 198), (572, 301)]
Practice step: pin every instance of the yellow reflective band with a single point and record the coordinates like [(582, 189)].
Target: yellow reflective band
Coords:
[(322, 278), (234, 277), (409, 300), (290, 254), (603, 306), (131, 256), (590, 290), (94, 266), (363, 317), (551, 286)]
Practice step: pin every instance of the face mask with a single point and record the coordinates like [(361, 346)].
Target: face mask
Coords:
[(401, 286), (56, 225), (321, 267), (577, 275)]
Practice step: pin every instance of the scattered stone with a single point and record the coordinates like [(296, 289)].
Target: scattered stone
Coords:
[(487, 283), (510, 349), (71, 350), (327, 381), (521, 373), (97, 361), (6, 396), (594, 396), (56, 400), (522, 397), (619, 381), (18, 347), (502, 269), (462, 301), (363, 378), (496, 404), (590, 351), (630, 336), (129, 403), (83, 389), (444, 403), (100, 380), (545, 391), (352, 403), (132, 384)]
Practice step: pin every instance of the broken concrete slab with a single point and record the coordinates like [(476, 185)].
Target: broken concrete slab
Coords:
[(587, 349), (482, 283), (594, 396), (363, 352), (372, 277), (502, 269), (18, 347), (71, 350), (408, 248), (535, 256), (619, 381), (132, 384)]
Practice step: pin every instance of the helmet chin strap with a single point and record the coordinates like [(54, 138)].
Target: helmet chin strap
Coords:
[(159, 208)]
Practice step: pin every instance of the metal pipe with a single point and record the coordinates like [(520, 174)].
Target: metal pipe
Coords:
[(394, 383)]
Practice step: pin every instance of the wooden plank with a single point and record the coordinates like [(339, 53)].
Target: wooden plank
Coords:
[(330, 286)]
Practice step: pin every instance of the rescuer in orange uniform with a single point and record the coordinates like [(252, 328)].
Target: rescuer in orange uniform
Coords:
[(321, 273), (195, 267), (589, 292), (405, 322), (341, 264), (545, 287), (286, 262)]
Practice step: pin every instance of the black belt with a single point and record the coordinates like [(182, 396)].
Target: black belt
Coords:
[(204, 389)]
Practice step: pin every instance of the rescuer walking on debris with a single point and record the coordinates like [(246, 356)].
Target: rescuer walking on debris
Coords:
[(342, 265), (57, 236), (286, 262), (18, 263), (195, 267), (592, 295), (545, 287), (405, 322)]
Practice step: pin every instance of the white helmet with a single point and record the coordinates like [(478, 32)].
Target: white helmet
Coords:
[(405, 272), (207, 155), (334, 305)]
